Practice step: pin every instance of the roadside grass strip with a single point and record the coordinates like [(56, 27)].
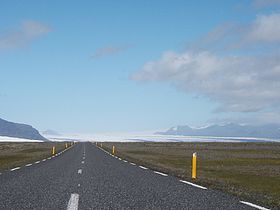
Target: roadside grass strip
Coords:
[(194, 185), (253, 205)]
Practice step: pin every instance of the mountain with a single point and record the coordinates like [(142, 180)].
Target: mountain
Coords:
[(228, 130), (50, 133), (18, 130)]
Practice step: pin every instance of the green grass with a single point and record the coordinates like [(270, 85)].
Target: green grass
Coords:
[(18, 154), (248, 170)]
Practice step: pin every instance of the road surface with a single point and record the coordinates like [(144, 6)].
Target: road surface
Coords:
[(86, 177)]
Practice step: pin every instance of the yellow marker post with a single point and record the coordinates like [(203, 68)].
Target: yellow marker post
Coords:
[(66, 145), (194, 157), (101, 145), (53, 150), (113, 150)]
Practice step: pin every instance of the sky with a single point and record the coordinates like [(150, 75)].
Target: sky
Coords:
[(120, 66)]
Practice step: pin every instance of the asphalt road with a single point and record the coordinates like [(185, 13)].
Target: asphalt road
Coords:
[(86, 177)]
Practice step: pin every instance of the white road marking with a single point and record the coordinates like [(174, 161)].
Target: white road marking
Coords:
[(84, 157), (80, 171), (195, 185), (160, 173), (143, 167), (73, 202), (120, 159), (254, 205), (44, 160), (30, 164), (83, 162), (37, 162), (49, 158), (133, 164), (13, 169), (125, 161), (79, 185)]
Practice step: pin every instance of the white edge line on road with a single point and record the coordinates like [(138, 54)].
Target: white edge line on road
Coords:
[(143, 167), (254, 205), (30, 164), (160, 173), (133, 164), (44, 160), (73, 202), (13, 169), (120, 159), (125, 161), (49, 158), (192, 184), (37, 162), (80, 171)]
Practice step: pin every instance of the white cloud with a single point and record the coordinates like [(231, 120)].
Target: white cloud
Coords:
[(239, 82), (265, 3), (27, 32), (266, 28)]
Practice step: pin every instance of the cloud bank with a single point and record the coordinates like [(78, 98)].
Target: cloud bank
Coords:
[(240, 81), (23, 35)]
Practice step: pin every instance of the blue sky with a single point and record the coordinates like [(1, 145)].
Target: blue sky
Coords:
[(96, 66)]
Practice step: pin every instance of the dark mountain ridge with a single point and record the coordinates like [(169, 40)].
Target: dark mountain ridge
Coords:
[(18, 130)]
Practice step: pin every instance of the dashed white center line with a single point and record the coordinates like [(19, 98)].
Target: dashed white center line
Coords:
[(133, 164), (28, 165), (83, 162), (37, 162), (156, 172), (80, 171), (84, 157), (73, 202), (143, 167), (13, 169), (254, 205), (192, 184)]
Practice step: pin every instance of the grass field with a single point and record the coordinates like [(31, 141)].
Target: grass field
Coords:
[(248, 170), (17, 154)]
